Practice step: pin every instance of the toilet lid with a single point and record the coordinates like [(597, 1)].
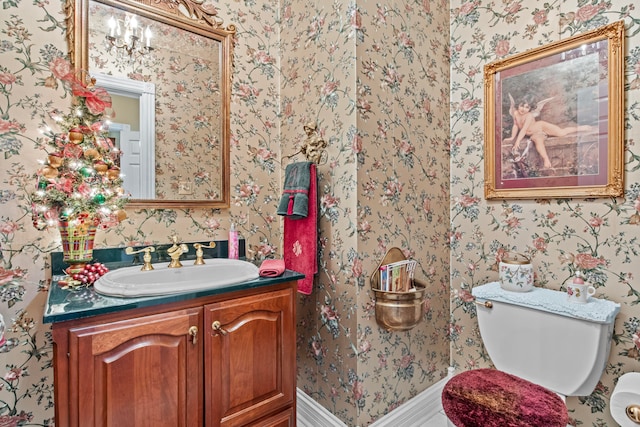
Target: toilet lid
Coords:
[(492, 398)]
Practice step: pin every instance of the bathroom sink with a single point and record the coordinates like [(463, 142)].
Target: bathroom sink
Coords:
[(216, 273)]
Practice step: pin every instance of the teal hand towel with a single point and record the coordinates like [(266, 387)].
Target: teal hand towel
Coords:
[(294, 202)]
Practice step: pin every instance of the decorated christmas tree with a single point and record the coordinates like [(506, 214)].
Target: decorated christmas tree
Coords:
[(79, 187), (80, 179)]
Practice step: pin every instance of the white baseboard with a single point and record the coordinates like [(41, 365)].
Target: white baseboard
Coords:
[(413, 413), (312, 414)]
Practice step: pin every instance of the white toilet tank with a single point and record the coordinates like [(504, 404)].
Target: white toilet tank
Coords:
[(543, 338)]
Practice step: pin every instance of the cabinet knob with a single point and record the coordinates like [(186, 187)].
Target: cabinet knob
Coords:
[(193, 331), (217, 326)]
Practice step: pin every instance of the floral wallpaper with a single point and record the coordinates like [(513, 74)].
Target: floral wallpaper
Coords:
[(597, 236), (397, 92), (375, 79)]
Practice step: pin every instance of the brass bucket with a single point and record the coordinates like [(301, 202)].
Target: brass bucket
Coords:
[(397, 311)]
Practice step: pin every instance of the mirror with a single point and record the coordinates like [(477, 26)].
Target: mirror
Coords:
[(173, 60)]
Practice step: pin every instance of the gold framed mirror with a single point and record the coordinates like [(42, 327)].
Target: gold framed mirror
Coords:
[(171, 62)]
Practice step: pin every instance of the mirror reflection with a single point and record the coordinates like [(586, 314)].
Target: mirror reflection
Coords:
[(132, 130), (176, 70)]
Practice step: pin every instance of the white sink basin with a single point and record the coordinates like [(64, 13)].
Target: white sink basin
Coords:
[(216, 273)]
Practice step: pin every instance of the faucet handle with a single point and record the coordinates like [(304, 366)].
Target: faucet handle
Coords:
[(146, 258), (200, 253)]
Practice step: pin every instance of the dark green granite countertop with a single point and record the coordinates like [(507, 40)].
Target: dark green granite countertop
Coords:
[(67, 304)]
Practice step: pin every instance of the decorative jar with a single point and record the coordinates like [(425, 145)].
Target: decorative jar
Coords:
[(516, 273)]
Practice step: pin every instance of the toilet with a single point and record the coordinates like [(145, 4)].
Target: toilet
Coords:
[(543, 347)]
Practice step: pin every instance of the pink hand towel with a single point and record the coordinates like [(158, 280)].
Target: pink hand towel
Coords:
[(271, 268)]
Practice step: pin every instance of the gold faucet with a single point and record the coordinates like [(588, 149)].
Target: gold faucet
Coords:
[(176, 251), (200, 252), (146, 258)]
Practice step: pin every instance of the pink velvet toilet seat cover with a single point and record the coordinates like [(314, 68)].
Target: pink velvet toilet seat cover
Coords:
[(492, 398)]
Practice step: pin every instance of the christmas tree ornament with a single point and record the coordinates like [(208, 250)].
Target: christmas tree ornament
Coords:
[(49, 172), (100, 167), (86, 171), (76, 136), (99, 199), (113, 173), (54, 160), (91, 154)]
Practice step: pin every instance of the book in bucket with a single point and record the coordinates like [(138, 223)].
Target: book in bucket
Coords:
[(397, 276)]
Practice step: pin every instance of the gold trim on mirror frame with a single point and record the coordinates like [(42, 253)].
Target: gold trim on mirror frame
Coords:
[(204, 22), (493, 80)]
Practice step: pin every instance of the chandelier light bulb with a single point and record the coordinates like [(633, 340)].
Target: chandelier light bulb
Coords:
[(112, 26), (136, 40), (147, 36)]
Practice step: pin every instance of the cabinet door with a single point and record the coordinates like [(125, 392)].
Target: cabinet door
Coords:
[(145, 371), (282, 419), (249, 358)]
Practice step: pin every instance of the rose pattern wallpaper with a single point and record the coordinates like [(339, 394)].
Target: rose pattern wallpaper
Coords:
[(397, 92)]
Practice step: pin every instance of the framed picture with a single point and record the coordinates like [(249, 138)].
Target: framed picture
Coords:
[(554, 119)]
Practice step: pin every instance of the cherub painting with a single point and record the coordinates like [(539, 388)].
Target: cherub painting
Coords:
[(554, 119), (527, 128)]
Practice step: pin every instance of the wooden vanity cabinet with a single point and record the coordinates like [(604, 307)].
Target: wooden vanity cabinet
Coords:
[(168, 366), (129, 372), (250, 355)]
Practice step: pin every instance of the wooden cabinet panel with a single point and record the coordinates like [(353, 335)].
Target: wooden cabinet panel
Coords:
[(249, 358), (142, 371), (144, 367), (282, 419)]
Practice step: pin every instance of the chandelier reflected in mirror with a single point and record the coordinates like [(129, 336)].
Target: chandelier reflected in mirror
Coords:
[(127, 39)]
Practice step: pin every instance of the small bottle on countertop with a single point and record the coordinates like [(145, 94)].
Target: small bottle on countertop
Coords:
[(233, 242), (3, 340), (578, 280)]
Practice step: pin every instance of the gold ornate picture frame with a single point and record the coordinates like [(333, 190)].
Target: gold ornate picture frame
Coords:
[(554, 119)]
